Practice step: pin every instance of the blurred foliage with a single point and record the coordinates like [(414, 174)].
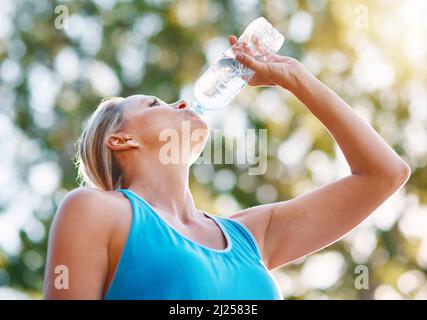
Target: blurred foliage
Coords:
[(372, 54)]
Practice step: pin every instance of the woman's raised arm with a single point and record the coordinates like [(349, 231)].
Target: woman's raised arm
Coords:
[(291, 229)]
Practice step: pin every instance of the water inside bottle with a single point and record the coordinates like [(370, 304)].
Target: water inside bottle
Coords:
[(219, 84), (226, 77)]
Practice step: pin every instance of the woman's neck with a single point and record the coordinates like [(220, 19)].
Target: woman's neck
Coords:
[(165, 187)]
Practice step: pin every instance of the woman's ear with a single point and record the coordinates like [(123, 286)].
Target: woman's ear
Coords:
[(118, 141)]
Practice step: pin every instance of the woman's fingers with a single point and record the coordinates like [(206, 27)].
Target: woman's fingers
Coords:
[(249, 62), (236, 47), (247, 49), (232, 39), (260, 47), (246, 56), (239, 46)]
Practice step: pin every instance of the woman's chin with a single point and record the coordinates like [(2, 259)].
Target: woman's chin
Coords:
[(196, 120)]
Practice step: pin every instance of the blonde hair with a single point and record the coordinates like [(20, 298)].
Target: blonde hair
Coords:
[(94, 160)]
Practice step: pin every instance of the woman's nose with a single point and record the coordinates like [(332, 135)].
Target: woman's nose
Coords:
[(182, 104)]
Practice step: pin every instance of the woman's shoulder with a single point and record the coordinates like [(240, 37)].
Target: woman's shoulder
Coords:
[(86, 193), (86, 222), (92, 208), (86, 197)]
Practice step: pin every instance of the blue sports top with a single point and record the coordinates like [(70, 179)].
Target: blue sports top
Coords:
[(158, 262)]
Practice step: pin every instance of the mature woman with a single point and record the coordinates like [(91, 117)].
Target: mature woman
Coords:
[(138, 234)]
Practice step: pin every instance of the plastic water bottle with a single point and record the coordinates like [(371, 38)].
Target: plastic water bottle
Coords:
[(226, 77)]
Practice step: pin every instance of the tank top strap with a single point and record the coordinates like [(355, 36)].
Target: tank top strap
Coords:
[(241, 236), (144, 221), (138, 211)]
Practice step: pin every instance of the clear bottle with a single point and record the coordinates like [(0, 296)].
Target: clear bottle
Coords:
[(226, 77)]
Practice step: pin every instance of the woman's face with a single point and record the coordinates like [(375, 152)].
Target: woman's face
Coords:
[(158, 125)]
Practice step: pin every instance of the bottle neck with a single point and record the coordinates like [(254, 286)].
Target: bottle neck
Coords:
[(196, 107)]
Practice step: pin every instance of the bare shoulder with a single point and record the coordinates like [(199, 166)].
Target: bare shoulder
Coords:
[(90, 208), (85, 196), (92, 200), (82, 231), (256, 219)]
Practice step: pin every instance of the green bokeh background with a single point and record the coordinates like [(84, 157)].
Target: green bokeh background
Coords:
[(372, 53)]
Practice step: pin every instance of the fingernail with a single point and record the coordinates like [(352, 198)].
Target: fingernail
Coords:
[(239, 56)]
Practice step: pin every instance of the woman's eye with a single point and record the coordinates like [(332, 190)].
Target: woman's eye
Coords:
[(154, 103)]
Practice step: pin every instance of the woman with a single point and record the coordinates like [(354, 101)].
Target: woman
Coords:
[(138, 234)]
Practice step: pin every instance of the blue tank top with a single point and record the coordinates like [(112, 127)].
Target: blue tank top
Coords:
[(158, 262)]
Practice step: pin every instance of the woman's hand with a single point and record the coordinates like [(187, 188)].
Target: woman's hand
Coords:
[(289, 230), (270, 69)]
